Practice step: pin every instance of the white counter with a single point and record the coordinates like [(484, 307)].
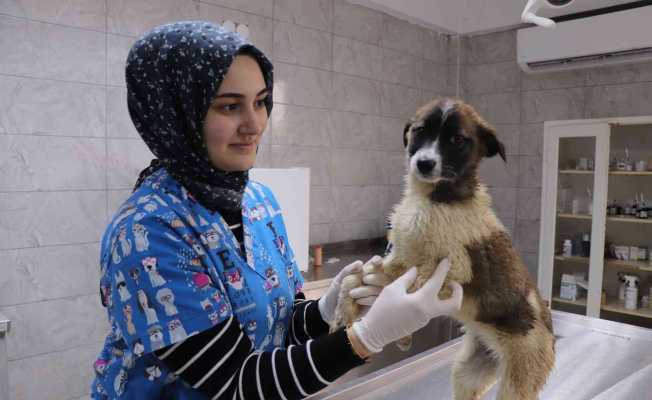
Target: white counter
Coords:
[(596, 360)]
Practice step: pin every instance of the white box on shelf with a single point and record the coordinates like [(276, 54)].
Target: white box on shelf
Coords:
[(568, 288)]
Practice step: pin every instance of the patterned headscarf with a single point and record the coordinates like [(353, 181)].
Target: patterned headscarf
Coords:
[(173, 74)]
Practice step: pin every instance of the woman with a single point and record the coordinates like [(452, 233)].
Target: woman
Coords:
[(201, 287)]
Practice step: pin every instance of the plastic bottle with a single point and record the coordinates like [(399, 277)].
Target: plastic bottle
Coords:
[(567, 250), (631, 297)]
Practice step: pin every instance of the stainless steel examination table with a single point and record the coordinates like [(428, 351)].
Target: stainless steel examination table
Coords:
[(596, 359)]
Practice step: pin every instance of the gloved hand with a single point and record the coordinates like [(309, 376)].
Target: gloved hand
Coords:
[(373, 280), (396, 313)]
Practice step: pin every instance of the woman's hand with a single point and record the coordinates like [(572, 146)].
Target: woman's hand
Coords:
[(373, 280), (397, 313)]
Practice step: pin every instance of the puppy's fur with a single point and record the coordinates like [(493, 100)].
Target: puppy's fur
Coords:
[(446, 212)]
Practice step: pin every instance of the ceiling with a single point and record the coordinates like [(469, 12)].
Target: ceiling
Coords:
[(472, 16)]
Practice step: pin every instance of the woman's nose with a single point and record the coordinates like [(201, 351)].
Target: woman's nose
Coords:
[(252, 123)]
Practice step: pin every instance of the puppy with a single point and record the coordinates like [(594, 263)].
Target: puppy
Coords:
[(446, 212)]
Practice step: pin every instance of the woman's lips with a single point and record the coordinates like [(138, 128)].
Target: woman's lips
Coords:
[(244, 147)]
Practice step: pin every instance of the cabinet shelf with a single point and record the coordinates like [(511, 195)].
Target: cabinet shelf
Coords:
[(617, 173), (579, 302), (611, 306), (611, 263), (630, 219), (575, 216), (631, 173), (575, 172), (609, 219), (615, 306)]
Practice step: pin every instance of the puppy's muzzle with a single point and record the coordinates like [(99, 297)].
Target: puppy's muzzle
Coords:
[(426, 167)]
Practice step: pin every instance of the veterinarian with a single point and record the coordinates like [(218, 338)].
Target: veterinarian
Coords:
[(202, 291)]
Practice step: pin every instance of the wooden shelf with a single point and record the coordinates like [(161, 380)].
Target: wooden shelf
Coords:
[(574, 216), (579, 303), (577, 259), (612, 306), (617, 307), (630, 219), (575, 172), (640, 265), (621, 173), (631, 173), (611, 263), (610, 219)]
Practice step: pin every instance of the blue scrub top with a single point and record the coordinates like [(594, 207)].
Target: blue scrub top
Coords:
[(170, 268)]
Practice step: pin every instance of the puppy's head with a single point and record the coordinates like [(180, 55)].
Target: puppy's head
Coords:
[(446, 140)]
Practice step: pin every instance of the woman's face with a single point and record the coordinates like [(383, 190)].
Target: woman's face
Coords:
[(237, 117)]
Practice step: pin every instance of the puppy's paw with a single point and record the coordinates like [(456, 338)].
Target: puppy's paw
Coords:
[(347, 310)]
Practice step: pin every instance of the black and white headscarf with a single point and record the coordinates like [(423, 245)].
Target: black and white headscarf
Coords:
[(173, 74)]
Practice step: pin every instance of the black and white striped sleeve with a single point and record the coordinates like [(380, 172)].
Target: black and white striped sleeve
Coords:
[(306, 322), (221, 363)]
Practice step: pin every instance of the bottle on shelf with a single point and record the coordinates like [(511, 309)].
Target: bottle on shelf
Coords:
[(629, 164), (586, 245), (631, 291), (575, 206), (589, 206), (643, 209), (622, 287), (567, 248)]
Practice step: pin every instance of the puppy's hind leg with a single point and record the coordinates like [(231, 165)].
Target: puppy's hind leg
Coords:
[(528, 362), (474, 370)]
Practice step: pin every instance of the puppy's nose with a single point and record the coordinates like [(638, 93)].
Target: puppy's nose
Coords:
[(426, 166)]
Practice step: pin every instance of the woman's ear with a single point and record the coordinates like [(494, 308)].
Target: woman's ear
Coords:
[(405, 131), (487, 135)]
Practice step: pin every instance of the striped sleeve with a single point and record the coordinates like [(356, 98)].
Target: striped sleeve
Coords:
[(221, 363), (306, 322)]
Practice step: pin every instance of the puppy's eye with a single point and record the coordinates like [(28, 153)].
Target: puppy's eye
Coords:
[(458, 140)]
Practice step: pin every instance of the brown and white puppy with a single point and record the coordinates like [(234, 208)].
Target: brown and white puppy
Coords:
[(446, 212)]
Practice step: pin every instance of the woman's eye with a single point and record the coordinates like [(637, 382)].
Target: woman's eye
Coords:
[(260, 103), (229, 107)]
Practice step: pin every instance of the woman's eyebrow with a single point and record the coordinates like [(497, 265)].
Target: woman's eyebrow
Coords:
[(240, 95)]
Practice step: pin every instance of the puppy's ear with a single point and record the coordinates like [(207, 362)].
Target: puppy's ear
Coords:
[(494, 146), (405, 131)]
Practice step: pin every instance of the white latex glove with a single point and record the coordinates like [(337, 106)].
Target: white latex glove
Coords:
[(363, 295), (397, 314)]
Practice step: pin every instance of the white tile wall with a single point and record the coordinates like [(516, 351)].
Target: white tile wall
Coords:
[(353, 57), (38, 328), (347, 78), (260, 23), (51, 51), (61, 374), (356, 22), (315, 14), (34, 219), (47, 107), (27, 274), (72, 163), (295, 44), (134, 17), (89, 14)]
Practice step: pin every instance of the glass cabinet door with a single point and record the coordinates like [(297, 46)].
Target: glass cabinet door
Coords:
[(573, 215)]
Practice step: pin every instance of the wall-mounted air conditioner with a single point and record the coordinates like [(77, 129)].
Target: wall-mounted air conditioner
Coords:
[(615, 38)]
